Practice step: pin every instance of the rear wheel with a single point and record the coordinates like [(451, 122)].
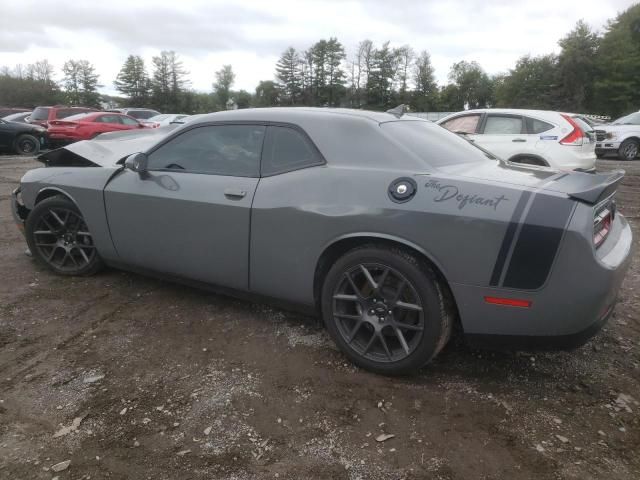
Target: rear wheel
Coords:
[(58, 237), (27, 145), (628, 149), (386, 309)]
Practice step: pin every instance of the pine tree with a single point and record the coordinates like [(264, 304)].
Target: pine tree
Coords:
[(426, 89), (133, 81), (289, 76), (168, 81), (80, 83), (222, 86)]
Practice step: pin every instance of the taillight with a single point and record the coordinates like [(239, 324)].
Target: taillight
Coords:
[(602, 222), (575, 136)]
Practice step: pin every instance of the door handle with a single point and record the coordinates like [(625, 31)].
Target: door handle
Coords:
[(234, 193), (518, 140)]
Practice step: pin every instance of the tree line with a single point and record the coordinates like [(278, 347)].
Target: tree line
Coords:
[(593, 73)]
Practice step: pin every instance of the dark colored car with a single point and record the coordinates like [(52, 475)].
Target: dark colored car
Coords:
[(43, 115), (21, 117), (138, 113), (390, 227), (85, 126), (21, 138)]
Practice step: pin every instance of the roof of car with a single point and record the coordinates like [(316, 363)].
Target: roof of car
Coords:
[(284, 114)]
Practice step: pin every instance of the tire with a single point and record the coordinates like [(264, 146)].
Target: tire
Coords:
[(628, 149), (27, 145), (364, 321), (59, 239)]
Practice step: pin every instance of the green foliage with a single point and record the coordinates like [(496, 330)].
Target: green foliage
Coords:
[(267, 94), (533, 83), (474, 85), (133, 81), (290, 76), (80, 83), (168, 82), (617, 86), (222, 86), (425, 94)]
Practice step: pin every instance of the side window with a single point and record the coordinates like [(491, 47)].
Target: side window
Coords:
[(463, 124), (108, 119), (66, 112), (503, 125), (217, 149), (537, 126), (128, 121), (287, 149)]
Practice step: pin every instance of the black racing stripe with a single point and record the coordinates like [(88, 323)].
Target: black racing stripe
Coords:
[(538, 242), (508, 238)]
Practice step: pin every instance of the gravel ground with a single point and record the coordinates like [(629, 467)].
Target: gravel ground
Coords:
[(126, 377)]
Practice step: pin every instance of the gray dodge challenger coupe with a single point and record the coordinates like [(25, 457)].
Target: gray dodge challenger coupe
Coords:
[(390, 227)]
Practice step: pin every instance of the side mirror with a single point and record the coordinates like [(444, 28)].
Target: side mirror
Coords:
[(137, 162)]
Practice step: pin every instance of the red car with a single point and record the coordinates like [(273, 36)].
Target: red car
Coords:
[(86, 126)]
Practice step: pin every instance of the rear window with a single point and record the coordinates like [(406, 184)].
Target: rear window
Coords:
[(434, 144), (40, 113), (463, 124)]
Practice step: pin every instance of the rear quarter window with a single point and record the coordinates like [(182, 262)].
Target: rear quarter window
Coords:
[(287, 149), (535, 126), (435, 145)]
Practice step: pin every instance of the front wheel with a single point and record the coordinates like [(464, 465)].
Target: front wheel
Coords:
[(58, 237), (386, 309), (27, 145), (628, 149)]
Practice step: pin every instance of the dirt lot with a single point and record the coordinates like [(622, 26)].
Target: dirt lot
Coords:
[(158, 381)]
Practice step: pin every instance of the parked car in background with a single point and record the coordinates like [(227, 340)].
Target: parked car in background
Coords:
[(4, 111), (21, 138), (20, 117), (533, 137), (391, 228), (622, 137), (43, 115), (164, 119), (188, 118), (86, 126), (139, 113)]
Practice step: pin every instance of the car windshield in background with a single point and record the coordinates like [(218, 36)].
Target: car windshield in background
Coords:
[(76, 117), (632, 119), (434, 144), (40, 113)]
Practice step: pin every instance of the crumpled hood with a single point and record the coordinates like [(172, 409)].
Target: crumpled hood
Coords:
[(107, 149)]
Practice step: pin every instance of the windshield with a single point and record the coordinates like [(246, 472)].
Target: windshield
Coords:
[(435, 144), (40, 113), (632, 119)]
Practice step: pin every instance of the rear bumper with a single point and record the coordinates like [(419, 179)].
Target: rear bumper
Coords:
[(575, 303)]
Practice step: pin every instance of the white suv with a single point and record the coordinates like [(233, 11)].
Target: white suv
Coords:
[(536, 137), (621, 136)]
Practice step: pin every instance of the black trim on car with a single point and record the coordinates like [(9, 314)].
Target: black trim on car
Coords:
[(527, 342), (538, 242)]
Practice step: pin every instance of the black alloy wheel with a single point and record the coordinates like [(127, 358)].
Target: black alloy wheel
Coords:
[(58, 236), (386, 309)]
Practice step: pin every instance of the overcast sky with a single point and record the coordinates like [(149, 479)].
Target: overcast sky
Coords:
[(251, 34)]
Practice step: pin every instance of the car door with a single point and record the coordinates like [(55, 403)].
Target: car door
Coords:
[(189, 214), (108, 123), (129, 123), (504, 135)]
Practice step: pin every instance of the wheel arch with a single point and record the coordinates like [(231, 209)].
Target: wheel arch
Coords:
[(48, 192), (517, 157), (341, 245)]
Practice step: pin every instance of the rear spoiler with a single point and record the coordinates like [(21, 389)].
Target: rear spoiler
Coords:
[(598, 187)]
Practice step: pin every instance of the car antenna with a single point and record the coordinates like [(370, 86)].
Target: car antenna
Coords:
[(399, 110)]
